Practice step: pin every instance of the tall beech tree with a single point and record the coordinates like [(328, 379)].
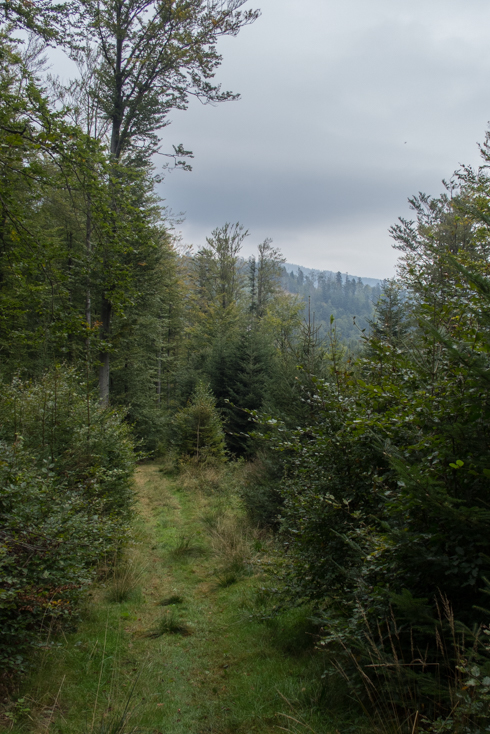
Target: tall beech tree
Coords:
[(45, 18), (155, 56)]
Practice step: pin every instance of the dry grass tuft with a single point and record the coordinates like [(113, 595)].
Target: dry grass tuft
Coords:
[(186, 547), (231, 538), (169, 624), (126, 581), (205, 478), (234, 543)]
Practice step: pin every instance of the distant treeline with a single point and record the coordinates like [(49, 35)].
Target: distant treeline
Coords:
[(349, 300)]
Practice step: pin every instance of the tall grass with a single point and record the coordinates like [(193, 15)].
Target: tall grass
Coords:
[(405, 689), (169, 624), (186, 546), (125, 581), (233, 543)]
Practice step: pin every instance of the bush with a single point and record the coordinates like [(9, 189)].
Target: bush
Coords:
[(386, 496), (50, 543), (65, 496), (62, 426), (261, 491)]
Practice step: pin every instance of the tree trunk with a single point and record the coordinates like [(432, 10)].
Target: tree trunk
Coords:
[(104, 357), (88, 295), (104, 353), (159, 376)]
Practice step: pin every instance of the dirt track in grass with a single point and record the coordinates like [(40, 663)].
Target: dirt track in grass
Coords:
[(173, 639)]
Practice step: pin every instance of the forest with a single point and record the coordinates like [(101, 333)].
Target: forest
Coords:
[(325, 294), (320, 449)]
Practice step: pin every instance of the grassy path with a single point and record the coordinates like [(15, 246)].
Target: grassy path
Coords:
[(170, 642)]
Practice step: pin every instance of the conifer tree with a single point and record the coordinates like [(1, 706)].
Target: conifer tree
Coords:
[(390, 323), (199, 429), (269, 268)]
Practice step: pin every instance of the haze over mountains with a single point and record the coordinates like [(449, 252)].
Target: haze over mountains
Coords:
[(313, 272), (324, 293)]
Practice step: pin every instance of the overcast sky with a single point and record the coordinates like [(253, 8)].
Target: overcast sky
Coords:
[(347, 108)]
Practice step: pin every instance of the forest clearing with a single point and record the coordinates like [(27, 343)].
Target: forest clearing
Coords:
[(171, 639), (232, 498)]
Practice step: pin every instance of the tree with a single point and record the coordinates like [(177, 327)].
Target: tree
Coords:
[(216, 311), (48, 20), (154, 56), (146, 338), (265, 276), (441, 224), (390, 322), (220, 270), (48, 168), (199, 430), (245, 388), (386, 490)]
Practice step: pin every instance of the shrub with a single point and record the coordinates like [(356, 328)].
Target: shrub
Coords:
[(261, 491), (386, 496), (50, 543), (65, 496), (62, 426)]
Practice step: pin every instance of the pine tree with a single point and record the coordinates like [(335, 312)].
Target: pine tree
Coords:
[(199, 429), (390, 323)]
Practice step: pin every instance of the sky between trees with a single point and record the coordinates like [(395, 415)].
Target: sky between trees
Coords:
[(347, 109)]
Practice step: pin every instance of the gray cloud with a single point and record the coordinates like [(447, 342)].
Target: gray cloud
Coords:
[(274, 199), (347, 109)]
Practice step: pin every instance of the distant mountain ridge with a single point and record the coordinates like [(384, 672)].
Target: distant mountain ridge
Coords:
[(313, 272)]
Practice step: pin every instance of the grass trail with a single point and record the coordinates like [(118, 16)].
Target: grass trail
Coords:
[(168, 645)]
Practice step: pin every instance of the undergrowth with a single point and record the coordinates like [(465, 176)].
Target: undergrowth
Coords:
[(174, 642)]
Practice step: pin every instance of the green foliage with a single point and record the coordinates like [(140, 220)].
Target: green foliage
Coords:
[(177, 42), (51, 541), (47, 19), (87, 265), (219, 270), (40, 153), (386, 489), (58, 420), (261, 490), (60, 249), (471, 711), (375, 473), (241, 385), (231, 328), (199, 429), (350, 301), (65, 497), (145, 361), (379, 507)]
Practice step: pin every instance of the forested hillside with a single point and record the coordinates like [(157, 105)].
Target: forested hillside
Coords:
[(349, 300), (355, 456)]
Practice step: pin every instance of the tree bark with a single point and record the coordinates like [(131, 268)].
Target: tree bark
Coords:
[(159, 376), (88, 296), (104, 353), (104, 356)]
